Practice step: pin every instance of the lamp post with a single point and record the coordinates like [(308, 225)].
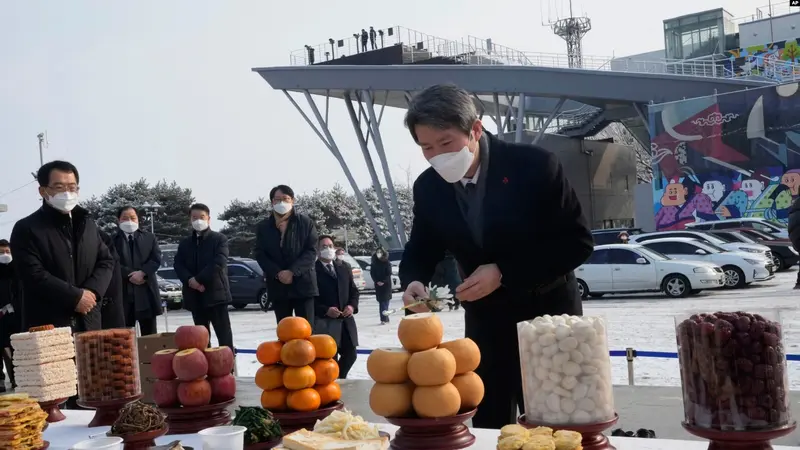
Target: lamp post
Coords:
[(151, 209)]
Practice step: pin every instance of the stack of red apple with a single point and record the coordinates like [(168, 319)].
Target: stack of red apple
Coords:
[(193, 375)]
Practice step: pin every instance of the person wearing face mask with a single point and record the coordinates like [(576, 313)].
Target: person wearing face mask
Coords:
[(380, 270), (10, 311), (286, 249), (336, 304), (201, 264), (340, 254), (481, 198), (140, 258), (63, 264)]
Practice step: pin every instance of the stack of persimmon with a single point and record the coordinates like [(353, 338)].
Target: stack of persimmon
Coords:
[(298, 372)]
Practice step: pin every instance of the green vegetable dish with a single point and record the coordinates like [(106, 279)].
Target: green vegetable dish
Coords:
[(261, 425)]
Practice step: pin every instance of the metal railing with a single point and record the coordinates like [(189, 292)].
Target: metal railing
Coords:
[(630, 354)]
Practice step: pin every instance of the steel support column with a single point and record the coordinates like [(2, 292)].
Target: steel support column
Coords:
[(550, 118), (377, 139), (498, 119), (327, 139), (373, 174), (645, 121), (520, 117)]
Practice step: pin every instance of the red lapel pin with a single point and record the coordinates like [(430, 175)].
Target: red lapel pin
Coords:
[(505, 180)]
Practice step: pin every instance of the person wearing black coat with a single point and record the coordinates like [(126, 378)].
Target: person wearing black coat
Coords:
[(64, 266), (447, 274), (514, 224), (10, 310), (380, 270), (337, 304), (201, 264), (286, 250), (140, 258), (794, 231), (111, 312)]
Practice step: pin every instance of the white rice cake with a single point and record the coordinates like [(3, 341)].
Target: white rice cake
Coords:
[(47, 374), (42, 339), (47, 393), (36, 358)]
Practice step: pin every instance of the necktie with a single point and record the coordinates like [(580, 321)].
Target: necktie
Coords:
[(130, 246), (330, 270)]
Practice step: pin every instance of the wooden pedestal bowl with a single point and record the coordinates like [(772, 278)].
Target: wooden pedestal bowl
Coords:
[(141, 441), (445, 433), (190, 420), (593, 437), (106, 411), (53, 410), (740, 440)]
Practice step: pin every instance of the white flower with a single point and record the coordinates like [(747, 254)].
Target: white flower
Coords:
[(439, 293)]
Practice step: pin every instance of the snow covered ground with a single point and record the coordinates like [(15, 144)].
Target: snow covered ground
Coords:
[(643, 322)]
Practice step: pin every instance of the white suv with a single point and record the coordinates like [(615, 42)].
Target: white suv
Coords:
[(630, 268), (765, 226), (740, 268)]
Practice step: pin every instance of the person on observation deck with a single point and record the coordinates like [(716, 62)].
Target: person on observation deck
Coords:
[(286, 250), (480, 199), (364, 39)]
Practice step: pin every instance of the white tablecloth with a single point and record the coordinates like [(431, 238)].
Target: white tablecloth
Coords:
[(64, 434)]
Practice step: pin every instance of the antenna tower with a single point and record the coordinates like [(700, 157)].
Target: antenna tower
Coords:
[(572, 29)]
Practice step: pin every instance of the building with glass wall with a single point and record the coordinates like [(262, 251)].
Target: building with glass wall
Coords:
[(699, 34)]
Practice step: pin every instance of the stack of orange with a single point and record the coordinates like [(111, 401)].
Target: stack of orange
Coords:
[(298, 371)]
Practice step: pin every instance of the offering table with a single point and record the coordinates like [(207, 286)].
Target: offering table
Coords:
[(62, 435)]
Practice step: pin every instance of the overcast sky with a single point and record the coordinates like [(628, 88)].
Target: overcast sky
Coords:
[(162, 89)]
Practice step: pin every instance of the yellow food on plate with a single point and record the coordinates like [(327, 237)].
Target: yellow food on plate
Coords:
[(567, 440), (517, 437), (543, 431), (310, 440), (511, 430), (345, 425), (513, 442), (539, 442)]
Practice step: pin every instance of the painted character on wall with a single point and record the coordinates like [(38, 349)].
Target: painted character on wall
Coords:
[(727, 203), (682, 203), (785, 194), (760, 191)]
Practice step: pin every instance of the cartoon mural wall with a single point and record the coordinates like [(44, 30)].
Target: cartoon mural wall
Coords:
[(776, 60), (726, 156)]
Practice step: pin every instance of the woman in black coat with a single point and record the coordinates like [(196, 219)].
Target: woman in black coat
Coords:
[(381, 272)]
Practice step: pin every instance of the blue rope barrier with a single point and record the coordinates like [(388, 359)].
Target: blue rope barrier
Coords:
[(613, 353)]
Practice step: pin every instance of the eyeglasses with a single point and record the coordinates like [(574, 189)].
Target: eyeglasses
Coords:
[(74, 188), (282, 199)]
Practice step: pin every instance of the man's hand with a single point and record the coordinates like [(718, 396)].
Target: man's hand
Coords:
[(482, 282), (201, 288), (379, 283), (137, 277), (194, 284), (285, 276), (87, 302), (348, 311), (333, 312), (413, 293)]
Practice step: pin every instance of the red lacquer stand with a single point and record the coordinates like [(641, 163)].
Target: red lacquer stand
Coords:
[(740, 440), (190, 420), (293, 421), (593, 437), (141, 441), (51, 407), (106, 411), (445, 433)]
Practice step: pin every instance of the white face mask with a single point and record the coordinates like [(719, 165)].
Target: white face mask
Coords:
[(327, 253), (282, 208), (128, 226), (453, 166), (340, 257), (5, 258), (200, 225), (64, 201)]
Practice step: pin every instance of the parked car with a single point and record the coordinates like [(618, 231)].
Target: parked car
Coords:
[(703, 236), (248, 285), (171, 294), (168, 273), (784, 255), (358, 273), (740, 268), (756, 223), (631, 268), (611, 235), (365, 262)]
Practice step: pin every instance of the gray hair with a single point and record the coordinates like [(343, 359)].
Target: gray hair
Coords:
[(441, 106)]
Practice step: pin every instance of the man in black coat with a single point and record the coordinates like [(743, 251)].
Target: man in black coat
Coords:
[(513, 222), (140, 258), (111, 312), (380, 270), (336, 304), (10, 310), (286, 248), (64, 266), (201, 264), (794, 231)]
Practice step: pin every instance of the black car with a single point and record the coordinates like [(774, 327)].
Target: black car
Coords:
[(248, 285), (784, 255), (611, 235)]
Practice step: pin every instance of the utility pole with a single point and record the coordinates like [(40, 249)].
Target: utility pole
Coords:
[(40, 136)]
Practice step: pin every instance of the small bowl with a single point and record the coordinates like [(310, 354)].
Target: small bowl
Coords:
[(102, 443), (227, 436)]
